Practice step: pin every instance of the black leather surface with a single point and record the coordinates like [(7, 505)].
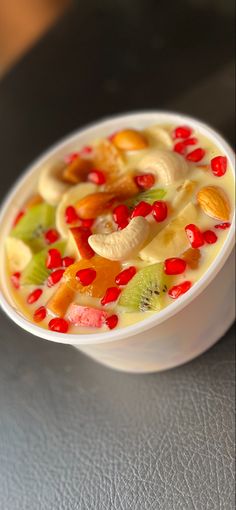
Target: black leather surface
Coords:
[(73, 434)]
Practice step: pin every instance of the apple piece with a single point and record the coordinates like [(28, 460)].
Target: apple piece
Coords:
[(86, 316)]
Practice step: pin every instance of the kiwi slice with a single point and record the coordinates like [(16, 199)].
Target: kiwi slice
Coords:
[(32, 225), (150, 196), (146, 290), (36, 272)]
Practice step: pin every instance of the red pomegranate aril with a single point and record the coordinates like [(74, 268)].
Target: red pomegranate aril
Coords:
[(125, 276), (55, 277), (159, 210), (34, 296), (180, 147), (59, 325), (86, 276), (15, 279), (88, 223), (121, 215), (190, 141), (182, 132), (174, 266), (142, 209), (40, 314), (71, 215), (53, 259), (112, 321), (177, 290), (219, 165), (51, 236), (210, 237), (86, 150), (96, 176), (67, 261), (145, 181), (71, 157), (223, 226), (111, 294), (195, 235), (196, 155), (18, 218)]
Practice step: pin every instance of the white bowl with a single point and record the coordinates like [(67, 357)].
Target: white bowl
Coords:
[(178, 333)]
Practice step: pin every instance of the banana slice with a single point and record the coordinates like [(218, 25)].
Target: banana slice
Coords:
[(18, 254), (159, 134), (169, 166), (183, 195), (122, 244), (73, 195), (50, 186), (172, 240)]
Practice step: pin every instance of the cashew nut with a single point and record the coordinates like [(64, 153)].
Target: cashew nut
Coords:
[(169, 166)]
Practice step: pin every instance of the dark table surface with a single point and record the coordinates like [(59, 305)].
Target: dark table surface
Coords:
[(73, 434)]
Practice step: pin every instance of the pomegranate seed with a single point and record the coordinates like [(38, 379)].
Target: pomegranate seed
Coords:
[(15, 280), (86, 276), (196, 155), (177, 290), (159, 210), (111, 294), (18, 217), (58, 324), (67, 261), (145, 181), (223, 226), (55, 277), (51, 236), (96, 176), (195, 235), (53, 259), (88, 223), (182, 132), (210, 237), (71, 215), (174, 266), (40, 314), (71, 157), (180, 148), (86, 150), (112, 321), (34, 296), (190, 141), (219, 165), (125, 276), (121, 215), (141, 209)]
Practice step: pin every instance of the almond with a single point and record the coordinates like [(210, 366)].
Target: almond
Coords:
[(130, 140), (214, 202), (95, 204)]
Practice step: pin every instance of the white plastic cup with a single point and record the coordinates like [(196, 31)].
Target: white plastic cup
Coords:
[(175, 335)]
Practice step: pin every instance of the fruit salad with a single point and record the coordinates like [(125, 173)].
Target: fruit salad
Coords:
[(119, 229)]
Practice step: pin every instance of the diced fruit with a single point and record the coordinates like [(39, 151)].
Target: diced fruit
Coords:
[(69, 199), (67, 261), (59, 325), (121, 215), (61, 299), (123, 187), (125, 276), (210, 237), (145, 181), (95, 204), (36, 272), (196, 155), (109, 158), (111, 294), (18, 254), (55, 277), (174, 266), (31, 226), (71, 215), (219, 165), (96, 176), (195, 236), (15, 279), (147, 196), (183, 194), (214, 202), (106, 271), (129, 140), (180, 289), (192, 257), (182, 132), (77, 170), (146, 290), (53, 259), (80, 236), (86, 316), (159, 211), (141, 209), (51, 236), (223, 226), (86, 276), (18, 217), (40, 314), (34, 296), (112, 321), (32, 201)]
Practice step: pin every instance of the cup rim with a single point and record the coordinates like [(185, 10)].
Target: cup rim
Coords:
[(155, 116)]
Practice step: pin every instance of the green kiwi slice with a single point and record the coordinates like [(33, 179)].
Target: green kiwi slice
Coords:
[(146, 290), (32, 225), (36, 271), (150, 196)]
